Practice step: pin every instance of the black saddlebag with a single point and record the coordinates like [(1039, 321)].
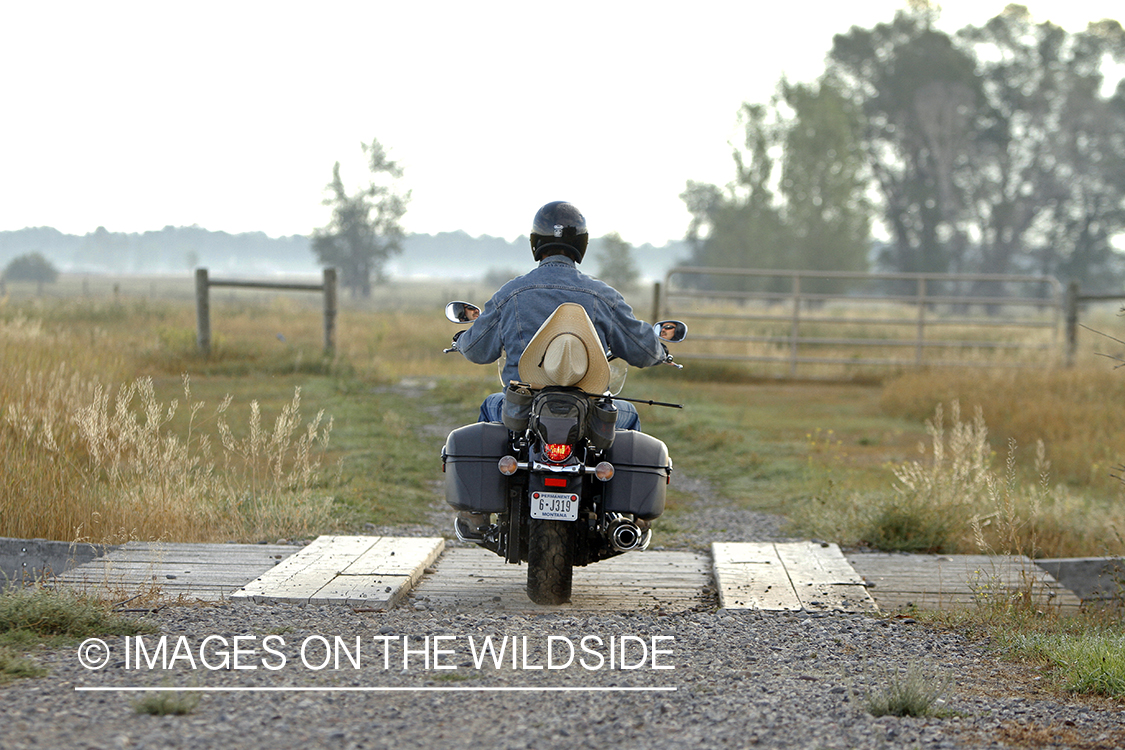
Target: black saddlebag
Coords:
[(641, 470), (473, 481)]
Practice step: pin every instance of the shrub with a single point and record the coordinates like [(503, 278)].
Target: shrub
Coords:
[(13, 666), (909, 693), (167, 703), (31, 267), (48, 612)]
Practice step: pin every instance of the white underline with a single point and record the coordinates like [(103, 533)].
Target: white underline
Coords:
[(378, 689)]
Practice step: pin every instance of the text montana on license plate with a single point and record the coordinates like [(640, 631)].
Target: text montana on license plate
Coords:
[(560, 506)]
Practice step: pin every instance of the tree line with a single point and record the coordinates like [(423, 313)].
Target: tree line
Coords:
[(39, 254), (997, 149)]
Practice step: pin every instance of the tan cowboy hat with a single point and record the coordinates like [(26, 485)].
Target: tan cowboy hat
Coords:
[(566, 350)]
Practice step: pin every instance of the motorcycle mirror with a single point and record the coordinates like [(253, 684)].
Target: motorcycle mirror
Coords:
[(671, 331), (462, 312)]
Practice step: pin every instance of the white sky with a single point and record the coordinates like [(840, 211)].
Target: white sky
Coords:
[(230, 115)]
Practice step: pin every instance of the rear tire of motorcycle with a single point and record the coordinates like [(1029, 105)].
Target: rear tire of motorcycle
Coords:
[(550, 561)]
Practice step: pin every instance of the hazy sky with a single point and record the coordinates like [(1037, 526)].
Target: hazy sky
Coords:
[(230, 115)]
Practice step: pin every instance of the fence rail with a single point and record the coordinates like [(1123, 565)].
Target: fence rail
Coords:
[(203, 283), (788, 317)]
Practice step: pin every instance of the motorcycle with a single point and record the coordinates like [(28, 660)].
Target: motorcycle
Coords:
[(565, 487)]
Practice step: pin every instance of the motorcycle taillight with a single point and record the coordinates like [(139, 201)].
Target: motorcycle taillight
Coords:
[(558, 452)]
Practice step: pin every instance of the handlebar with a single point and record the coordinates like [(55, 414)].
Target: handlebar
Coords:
[(453, 345)]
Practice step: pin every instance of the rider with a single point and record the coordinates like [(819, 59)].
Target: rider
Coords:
[(513, 315)]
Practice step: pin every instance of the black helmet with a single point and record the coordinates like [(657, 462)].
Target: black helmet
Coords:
[(559, 223)]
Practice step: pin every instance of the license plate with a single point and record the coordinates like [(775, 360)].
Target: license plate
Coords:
[(554, 506)]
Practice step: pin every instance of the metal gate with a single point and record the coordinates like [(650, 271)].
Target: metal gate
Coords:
[(836, 321)]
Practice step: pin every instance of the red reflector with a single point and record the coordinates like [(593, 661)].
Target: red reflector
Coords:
[(557, 452), (554, 481)]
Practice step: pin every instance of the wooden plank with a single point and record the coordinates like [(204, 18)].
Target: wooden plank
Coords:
[(372, 590), (958, 571), (301, 575), (948, 581), (262, 572), (201, 571), (752, 576), (394, 556), (347, 569), (179, 567), (218, 578), (184, 565), (473, 577), (800, 575), (328, 552), (192, 552), (787, 576), (823, 579), (295, 590), (816, 561), (134, 563)]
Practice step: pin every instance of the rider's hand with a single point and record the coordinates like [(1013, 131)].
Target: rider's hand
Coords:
[(455, 337)]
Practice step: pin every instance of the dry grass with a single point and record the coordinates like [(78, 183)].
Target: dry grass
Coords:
[(115, 470), (1078, 413), (88, 445), (95, 443), (954, 499), (83, 457)]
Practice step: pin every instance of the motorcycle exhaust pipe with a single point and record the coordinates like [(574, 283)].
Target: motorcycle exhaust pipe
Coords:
[(626, 536)]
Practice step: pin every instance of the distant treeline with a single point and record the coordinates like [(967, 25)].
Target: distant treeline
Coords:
[(182, 249), (169, 250)]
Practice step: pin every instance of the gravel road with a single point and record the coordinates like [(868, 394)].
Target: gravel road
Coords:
[(701, 679), (704, 678)]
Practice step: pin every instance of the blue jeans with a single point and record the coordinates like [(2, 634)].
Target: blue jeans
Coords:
[(491, 410)]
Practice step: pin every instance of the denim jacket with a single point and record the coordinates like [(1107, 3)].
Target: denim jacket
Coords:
[(515, 312)]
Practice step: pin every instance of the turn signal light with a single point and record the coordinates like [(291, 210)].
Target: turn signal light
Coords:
[(558, 452), (507, 465), (604, 471)]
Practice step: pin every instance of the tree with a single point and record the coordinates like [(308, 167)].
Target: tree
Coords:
[(364, 231), (1052, 191), (993, 150), (31, 267), (825, 208), (813, 217), (918, 94), (616, 265), (738, 226)]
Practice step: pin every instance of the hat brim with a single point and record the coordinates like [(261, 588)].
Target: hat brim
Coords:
[(572, 318)]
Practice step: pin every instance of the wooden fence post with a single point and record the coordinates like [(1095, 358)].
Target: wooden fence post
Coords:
[(1071, 322), (795, 325), (919, 345), (202, 312), (656, 302), (329, 311)]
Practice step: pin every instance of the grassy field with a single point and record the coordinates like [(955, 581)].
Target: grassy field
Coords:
[(115, 427)]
